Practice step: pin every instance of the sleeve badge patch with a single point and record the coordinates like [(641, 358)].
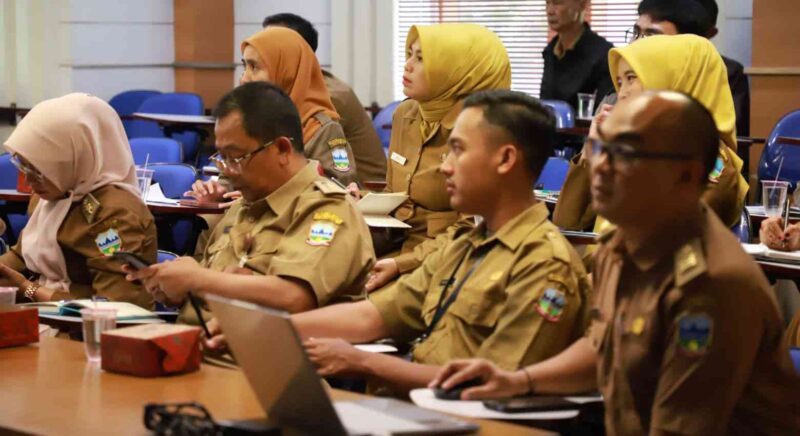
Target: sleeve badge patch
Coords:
[(341, 160), (321, 233), (695, 332), (551, 304), (108, 242)]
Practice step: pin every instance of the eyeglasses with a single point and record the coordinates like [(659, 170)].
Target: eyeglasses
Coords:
[(622, 156), (30, 172), (180, 419), (234, 165), (635, 33)]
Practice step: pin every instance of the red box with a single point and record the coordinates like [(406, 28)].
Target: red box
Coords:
[(151, 350), (18, 325)]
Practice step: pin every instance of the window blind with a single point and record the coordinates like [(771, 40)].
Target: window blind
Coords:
[(520, 24)]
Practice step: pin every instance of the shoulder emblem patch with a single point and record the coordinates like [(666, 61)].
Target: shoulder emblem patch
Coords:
[(108, 242), (551, 304), (337, 142), (89, 207), (341, 160), (328, 216), (695, 332), (321, 233)]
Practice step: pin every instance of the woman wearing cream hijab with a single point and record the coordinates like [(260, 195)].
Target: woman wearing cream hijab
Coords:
[(86, 204), (444, 64), (683, 63)]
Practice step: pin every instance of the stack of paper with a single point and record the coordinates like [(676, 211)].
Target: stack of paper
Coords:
[(125, 311), (376, 208), (761, 251), (156, 195)]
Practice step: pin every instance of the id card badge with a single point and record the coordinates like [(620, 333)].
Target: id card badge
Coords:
[(398, 158)]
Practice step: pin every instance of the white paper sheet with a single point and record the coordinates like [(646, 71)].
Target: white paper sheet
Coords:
[(375, 203), (376, 348), (475, 409), (763, 252), (385, 221), (156, 195)]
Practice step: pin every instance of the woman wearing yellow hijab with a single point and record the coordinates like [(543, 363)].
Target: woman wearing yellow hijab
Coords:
[(683, 63), (281, 56), (444, 64)]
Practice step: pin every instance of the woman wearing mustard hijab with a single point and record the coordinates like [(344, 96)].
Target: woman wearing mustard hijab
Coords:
[(683, 63), (444, 64), (281, 56)]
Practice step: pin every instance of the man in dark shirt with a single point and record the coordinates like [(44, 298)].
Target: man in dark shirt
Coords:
[(576, 60), (672, 17)]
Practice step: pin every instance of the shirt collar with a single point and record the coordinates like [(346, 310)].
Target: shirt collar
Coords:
[(560, 50), (280, 199), (448, 121), (512, 233)]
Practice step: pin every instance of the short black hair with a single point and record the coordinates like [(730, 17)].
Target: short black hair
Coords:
[(688, 16), (530, 125), (712, 13), (267, 112), (296, 23)]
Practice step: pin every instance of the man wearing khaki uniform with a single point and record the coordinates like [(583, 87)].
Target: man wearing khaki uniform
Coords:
[(295, 239), (685, 335), (511, 289)]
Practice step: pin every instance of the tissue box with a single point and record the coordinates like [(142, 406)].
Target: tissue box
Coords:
[(18, 325), (151, 350)]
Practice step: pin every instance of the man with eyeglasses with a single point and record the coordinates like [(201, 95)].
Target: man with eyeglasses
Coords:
[(295, 241), (698, 17), (685, 335)]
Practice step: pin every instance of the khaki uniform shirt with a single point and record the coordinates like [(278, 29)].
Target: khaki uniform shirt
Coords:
[(525, 301), (308, 229), (330, 148), (688, 336), (414, 169), (107, 214), (574, 208), (358, 129)]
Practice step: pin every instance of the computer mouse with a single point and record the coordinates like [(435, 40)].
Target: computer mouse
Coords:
[(454, 393)]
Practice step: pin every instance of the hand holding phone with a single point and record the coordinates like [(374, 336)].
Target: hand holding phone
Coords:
[(132, 259)]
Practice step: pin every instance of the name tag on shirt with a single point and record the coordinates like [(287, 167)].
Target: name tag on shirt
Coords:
[(399, 159)]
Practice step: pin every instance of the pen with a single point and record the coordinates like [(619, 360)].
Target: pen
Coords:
[(338, 183), (196, 307)]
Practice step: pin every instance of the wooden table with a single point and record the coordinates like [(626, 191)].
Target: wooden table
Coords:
[(14, 196), (779, 270), (50, 389)]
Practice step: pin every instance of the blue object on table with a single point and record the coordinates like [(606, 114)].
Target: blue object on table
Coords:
[(156, 150), (164, 256), (383, 124), (774, 151), (128, 102), (176, 103)]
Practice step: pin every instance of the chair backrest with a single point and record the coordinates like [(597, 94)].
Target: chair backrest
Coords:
[(8, 172), (383, 123), (743, 229), (174, 179), (795, 353), (553, 174), (128, 102), (775, 151), (176, 103), (565, 115), (156, 150), (164, 255)]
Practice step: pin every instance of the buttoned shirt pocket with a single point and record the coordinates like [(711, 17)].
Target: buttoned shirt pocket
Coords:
[(478, 307), (264, 246)]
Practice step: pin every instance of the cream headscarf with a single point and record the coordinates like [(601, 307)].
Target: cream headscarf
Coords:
[(78, 143), (458, 59)]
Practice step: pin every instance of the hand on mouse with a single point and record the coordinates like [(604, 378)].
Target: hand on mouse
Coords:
[(497, 383)]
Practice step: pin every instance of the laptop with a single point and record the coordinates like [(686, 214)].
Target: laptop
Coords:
[(270, 353)]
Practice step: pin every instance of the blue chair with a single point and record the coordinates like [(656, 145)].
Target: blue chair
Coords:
[(164, 255), (774, 152), (156, 150), (3, 247), (743, 229), (382, 120), (565, 115), (177, 103), (795, 353), (15, 215), (553, 174), (175, 232), (128, 102)]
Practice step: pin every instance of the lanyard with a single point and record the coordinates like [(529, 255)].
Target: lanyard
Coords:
[(441, 308)]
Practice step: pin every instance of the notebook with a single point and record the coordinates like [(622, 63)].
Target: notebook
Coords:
[(376, 208), (125, 311)]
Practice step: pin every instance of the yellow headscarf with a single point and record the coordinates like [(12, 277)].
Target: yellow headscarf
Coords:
[(459, 59), (692, 65)]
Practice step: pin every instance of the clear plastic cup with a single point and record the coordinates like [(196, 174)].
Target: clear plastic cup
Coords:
[(8, 295), (585, 106), (95, 322), (145, 178), (773, 197)]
